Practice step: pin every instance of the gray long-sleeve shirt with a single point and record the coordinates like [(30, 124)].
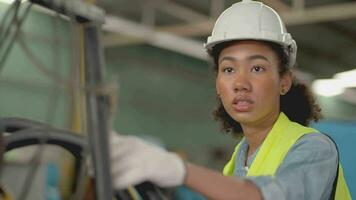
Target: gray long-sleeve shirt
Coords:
[(307, 172)]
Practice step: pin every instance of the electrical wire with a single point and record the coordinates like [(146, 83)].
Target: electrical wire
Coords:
[(71, 87), (160, 194), (134, 194), (15, 5), (40, 66), (4, 18), (18, 22)]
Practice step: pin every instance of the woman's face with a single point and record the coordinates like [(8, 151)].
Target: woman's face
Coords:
[(248, 82)]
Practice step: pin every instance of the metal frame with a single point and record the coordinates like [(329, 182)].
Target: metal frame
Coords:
[(97, 114), (92, 18)]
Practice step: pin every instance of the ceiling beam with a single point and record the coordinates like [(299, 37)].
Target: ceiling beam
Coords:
[(298, 4), (278, 5), (181, 12), (336, 62), (156, 38), (216, 8), (293, 17), (168, 41), (117, 39), (320, 14), (172, 37), (148, 16)]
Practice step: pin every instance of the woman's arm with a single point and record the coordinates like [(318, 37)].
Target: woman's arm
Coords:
[(134, 161), (214, 185)]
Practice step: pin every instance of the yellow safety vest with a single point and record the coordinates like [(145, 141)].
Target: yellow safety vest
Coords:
[(275, 147)]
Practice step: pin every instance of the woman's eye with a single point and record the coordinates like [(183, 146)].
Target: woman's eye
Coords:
[(228, 69), (257, 69)]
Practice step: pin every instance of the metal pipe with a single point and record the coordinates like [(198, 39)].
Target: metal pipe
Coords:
[(97, 113)]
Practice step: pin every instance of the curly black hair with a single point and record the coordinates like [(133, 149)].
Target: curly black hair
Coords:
[(298, 104)]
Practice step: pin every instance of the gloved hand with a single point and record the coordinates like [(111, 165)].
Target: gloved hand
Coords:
[(134, 161)]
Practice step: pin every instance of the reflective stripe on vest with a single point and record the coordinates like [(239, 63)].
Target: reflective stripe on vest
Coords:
[(275, 147)]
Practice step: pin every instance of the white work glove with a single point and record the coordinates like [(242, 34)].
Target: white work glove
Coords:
[(134, 161)]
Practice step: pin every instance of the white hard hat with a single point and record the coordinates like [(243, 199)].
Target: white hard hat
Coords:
[(252, 20)]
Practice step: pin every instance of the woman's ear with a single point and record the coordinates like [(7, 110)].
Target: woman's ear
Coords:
[(286, 82)]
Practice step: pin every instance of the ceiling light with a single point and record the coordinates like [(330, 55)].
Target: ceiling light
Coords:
[(7, 1), (328, 87), (10, 1), (347, 78)]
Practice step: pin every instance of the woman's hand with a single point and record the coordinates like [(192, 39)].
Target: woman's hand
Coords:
[(134, 161)]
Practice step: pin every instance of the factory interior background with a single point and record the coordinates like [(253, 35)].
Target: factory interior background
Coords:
[(158, 78)]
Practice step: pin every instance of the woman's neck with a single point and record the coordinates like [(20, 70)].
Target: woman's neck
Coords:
[(255, 138), (255, 134)]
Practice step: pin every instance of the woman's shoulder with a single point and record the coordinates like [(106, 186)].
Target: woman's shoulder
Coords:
[(315, 142), (312, 151), (317, 138)]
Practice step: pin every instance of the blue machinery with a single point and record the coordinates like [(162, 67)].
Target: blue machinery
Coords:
[(344, 134)]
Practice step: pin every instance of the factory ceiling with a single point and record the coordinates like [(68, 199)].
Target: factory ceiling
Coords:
[(325, 30)]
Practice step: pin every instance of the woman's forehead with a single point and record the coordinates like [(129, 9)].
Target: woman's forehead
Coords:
[(244, 49)]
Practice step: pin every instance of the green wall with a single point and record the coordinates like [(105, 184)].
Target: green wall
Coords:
[(169, 97)]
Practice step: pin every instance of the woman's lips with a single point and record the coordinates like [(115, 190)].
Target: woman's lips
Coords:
[(242, 104)]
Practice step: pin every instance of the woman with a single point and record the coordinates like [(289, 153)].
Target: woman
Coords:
[(278, 158)]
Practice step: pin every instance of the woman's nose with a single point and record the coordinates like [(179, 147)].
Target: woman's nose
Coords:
[(241, 83)]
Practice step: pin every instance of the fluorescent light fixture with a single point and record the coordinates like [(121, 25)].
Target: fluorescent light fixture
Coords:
[(328, 87), (10, 1), (335, 86), (347, 78), (7, 1)]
